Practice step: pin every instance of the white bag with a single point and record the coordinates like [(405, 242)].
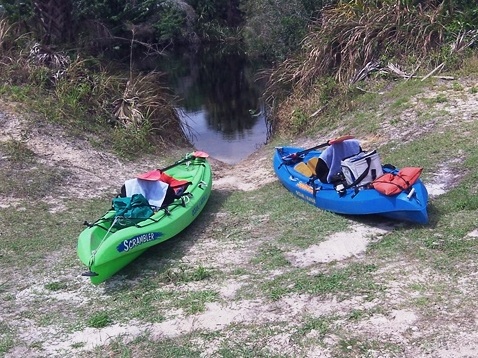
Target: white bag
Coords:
[(362, 168)]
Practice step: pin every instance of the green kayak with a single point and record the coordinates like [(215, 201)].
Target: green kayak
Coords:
[(111, 243)]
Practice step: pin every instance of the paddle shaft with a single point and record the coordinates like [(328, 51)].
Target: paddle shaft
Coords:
[(329, 142), (188, 158)]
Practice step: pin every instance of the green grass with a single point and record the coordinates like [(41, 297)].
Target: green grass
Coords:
[(318, 324), (183, 274), (292, 221), (420, 269), (36, 234), (270, 256), (7, 337), (24, 175), (195, 302), (357, 346), (56, 286), (167, 348), (143, 304), (341, 281), (99, 320), (254, 342)]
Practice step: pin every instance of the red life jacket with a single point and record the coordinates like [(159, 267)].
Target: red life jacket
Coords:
[(392, 184), (157, 174)]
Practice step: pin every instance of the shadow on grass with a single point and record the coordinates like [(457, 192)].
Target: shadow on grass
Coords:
[(157, 260)]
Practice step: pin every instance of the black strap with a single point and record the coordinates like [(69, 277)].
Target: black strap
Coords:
[(362, 176), (407, 183)]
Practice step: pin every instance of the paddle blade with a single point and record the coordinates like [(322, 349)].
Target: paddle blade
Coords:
[(152, 175), (340, 139), (195, 154), (200, 154)]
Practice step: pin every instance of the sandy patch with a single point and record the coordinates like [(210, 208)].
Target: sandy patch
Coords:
[(337, 247), (389, 316)]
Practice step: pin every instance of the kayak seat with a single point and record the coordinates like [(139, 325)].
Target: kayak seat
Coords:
[(303, 169), (308, 168), (312, 164)]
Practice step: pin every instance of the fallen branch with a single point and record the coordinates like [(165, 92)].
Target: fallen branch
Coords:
[(318, 111), (392, 68), (364, 72), (444, 77), (464, 40), (414, 71), (438, 68), (365, 91)]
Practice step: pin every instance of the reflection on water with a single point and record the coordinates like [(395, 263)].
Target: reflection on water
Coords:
[(220, 101), (229, 147)]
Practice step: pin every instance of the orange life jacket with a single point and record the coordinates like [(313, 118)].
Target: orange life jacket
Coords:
[(392, 184)]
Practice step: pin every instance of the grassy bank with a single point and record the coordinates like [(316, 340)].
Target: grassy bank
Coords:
[(255, 276)]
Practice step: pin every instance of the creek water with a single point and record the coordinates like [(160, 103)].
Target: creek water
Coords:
[(219, 101)]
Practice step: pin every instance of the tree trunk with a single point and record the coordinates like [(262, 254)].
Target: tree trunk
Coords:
[(56, 19)]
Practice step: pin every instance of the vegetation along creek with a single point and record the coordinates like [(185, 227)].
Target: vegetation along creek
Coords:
[(259, 272), (220, 100)]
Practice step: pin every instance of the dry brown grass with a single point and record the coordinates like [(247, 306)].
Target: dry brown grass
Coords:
[(4, 31), (145, 99), (348, 38), (92, 97), (352, 34)]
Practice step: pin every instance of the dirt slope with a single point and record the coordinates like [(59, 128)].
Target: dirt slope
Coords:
[(94, 172)]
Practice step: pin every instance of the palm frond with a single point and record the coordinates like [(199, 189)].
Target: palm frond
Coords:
[(145, 100)]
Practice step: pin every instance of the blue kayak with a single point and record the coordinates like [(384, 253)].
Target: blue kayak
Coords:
[(409, 205)]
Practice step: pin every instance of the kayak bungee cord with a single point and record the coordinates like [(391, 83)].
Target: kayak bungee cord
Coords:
[(93, 253)]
